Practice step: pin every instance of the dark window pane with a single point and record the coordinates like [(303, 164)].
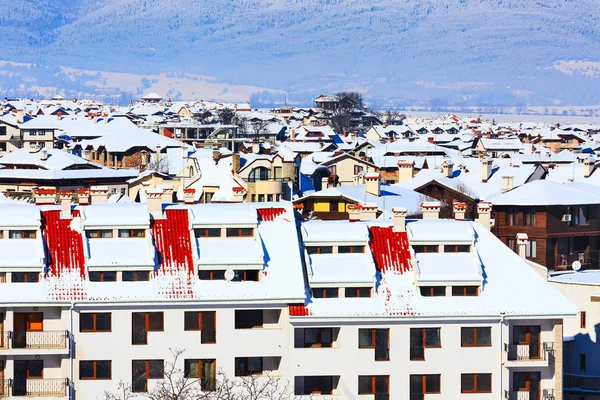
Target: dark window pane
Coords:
[(209, 334), (432, 337), (467, 382), (110, 276), (103, 370), (86, 322), (95, 277), (311, 336), (240, 366), (18, 277), (191, 321), (128, 276), (191, 369), (381, 344), (484, 382), (86, 369), (138, 328), (484, 336), (365, 385), (35, 368), (365, 338), (155, 321), (416, 384), (255, 365), (417, 352), (467, 336), (326, 338), (432, 384), (156, 369), (103, 322)]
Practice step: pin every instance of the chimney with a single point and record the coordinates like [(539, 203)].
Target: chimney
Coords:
[(507, 184), (353, 212), (486, 168), (65, 197), (20, 116), (256, 147), (238, 194), (406, 170), (188, 195), (45, 197), (235, 163), (399, 214), (368, 212), (43, 154), (299, 207), (32, 149), (154, 202), (216, 155), (324, 182), (167, 195), (431, 209), (99, 194), (372, 183), (522, 241), (83, 196), (448, 168), (484, 209), (460, 210), (588, 166)]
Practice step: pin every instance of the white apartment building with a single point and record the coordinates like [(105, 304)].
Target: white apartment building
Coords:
[(430, 309)]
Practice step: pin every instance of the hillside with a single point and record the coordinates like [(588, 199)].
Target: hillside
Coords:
[(400, 51)]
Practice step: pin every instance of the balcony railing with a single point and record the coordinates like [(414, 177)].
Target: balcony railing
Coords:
[(58, 387), (528, 352), (583, 383), (545, 394), (35, 340)]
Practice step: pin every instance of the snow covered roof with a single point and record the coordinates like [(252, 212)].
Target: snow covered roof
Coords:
[(132, 215), (224, 215), (108, 253), (341, 269), (334, 231), (455, 268), (19, 216), (547, 193), (50, 159)]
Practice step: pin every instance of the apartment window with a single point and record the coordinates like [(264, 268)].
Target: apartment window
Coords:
[(142, 370), (317, 385), (531, 249), (378, 384), (351, 249), (218, 275), (319, 249), (203, 321), (103, 276), (512, 216), (377, 339), (2, 131), (357, 292), (579, 215), (136, 276), (430, 248), (269, 198), (323, 293), (261, 198), (457, 248), (246, 275), (512, 244), (476, 383), (41, 133), (2, 277), (207, 232), (582, 362), (25, 277), (433, 291), (317, 337), (247, 366), (278, 173), (334, 205), (144, 322), (34, 369), (94, 322), (95, 370), (240, 232), (132, 233), (248, 319), (529, 216), (465, 290), (582, 321), (22, 234), (358, 169), (476, 336), (422, 338), (204, 369), (99, 234), (424, 384)]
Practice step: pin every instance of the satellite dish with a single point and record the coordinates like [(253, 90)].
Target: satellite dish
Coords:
[(576, 265), (229, 275)]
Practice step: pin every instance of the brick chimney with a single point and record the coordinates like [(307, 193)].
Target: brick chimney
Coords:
[(372, 183), (507, 183), (431, 209), (45, 197), (406, 170), (235, 163), (484, 210), (65, 197), (154, 202), (99, 194), (486, 168), (522, 241), (448, 168), (460, 210), (188, 195), (399, 215)]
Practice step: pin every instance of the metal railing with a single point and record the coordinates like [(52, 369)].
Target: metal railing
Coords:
[(529, 352), (581, 382), (545, 394), (35, 340), (57, 387)]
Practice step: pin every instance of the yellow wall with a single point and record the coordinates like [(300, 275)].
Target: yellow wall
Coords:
[(322, 206)]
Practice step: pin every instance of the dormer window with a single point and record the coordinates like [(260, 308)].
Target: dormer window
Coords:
[(351, 249), (103, 276), (428, 248), (465, 291), (319, 249), (25, 277), (28, 234), (240, 232), (136, 276), (132, 233), (99, 234), (207, 232), (433, 291), (357, 292), (457, 248), (326, 293)]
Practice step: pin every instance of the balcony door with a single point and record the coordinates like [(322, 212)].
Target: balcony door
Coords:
[(526, 385), (3, 386), (24, 323), (527, 340)]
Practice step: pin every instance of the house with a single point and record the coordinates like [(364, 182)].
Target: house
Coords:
[(330, 102), (10, 134), (346, 169), (497, 147)]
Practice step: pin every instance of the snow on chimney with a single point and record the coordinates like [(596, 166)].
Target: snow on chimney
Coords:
[(460, 210), (484, 210), (507, 183), (167, 195), (431, 209), (43, 154), (448, 168), (83, 196), (238, 194), (188, 195), (522, 241), (406, 170), (588, 166), (154, 202), (99, 194), (399, 216), (373, 183), (353, 212), (486, 168), (65, 197), (45, 196)]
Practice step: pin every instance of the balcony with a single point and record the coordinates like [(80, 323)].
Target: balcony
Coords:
[(43, 342), (545, 394), (582, 383), (58, 387), (523, 355)]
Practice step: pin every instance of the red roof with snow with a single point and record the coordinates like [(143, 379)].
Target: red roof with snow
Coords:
[(269, 214), (390, 249)]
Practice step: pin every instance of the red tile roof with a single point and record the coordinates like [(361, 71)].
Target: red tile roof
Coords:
[(269, 214), (390, 249), (299, 310)]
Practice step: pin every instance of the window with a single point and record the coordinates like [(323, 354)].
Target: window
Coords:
[(94, 322), (278, 173), (261, 198), (457, 248), (430, 248), (322, 293), (582, 362), (99, 234), (34, 369), (142, 323), (334, 205), (465, 290), (424, 384), (531, 249), (377, 339), (476, 337), (319, 249), (248, 319), (317, 337), (133, 233), (358, 169), (208, 196), (21, 234), (512, 244), (333, 169), (205, 370), (95, 370), (422, 338), (476, 383), (579, 215), (25, 277), (318, 385), (207, 232), (351, 249), (240, 232), (103, 276), (259, 174), (246, 366), (378, 384), (529, 216), (433, 291), (218, 275), (136, 276), (512, 216), (582, 321), (2, 131), (203, 321), (142, 370), (246, 275), (357, 292), (269, 198)]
